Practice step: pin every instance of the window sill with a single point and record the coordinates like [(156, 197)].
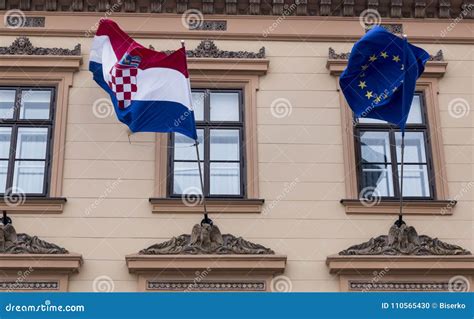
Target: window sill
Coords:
[(391, 207), (214, 205), (32, 205)]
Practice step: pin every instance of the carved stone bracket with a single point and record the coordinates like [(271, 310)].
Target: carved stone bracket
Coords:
[(23, 46), (404, 240), (345, 55), (206, 239), (13, 243), (207, 49)]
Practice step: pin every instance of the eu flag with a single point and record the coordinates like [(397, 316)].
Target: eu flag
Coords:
[(380, 78)]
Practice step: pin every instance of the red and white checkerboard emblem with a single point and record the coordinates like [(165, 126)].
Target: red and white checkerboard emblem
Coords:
[(123, 83)]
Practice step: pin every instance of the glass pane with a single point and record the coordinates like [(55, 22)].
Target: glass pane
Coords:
[(414, 147), (3, 175), (35, 104), (225, 179), (225, 145), (198, 105), (375, 147), (5, 136), (7, 103), (415, 179), (225, 107), (415, 117), (184, 148), (367, 120), (377, 180), (28, 177), (186, 178), (31, 143)]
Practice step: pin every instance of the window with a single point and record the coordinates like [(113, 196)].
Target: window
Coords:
[(26, 123), (378, 155), (220, 128)]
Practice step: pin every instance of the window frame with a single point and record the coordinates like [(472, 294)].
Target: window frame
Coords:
[(392, 129), (207, 125), (15, 123)]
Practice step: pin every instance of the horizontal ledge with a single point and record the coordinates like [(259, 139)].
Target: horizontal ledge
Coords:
[(410, 207), (434, 69), (50, 63), (56, 262), (29, 205), (229, 65), (214, 205), (361, 264), (142, 263)]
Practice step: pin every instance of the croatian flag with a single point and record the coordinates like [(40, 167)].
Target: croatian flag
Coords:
[(150, 90)]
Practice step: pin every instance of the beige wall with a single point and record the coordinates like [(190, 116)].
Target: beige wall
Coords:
[(307, 225)]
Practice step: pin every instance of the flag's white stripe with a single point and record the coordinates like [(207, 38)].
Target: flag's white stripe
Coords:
[(154, 84)]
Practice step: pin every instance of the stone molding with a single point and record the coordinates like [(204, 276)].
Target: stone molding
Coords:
[(189, 285), (23, 46), (345, 55), (208, 49)]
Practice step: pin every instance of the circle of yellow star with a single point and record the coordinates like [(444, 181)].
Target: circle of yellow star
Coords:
[(362, 84), (378, 99), (369, 94), (384, 55), (396, 58), (364, 67), (373, 58)]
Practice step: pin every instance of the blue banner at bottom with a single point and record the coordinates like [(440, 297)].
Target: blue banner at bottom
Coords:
[(236, 305)]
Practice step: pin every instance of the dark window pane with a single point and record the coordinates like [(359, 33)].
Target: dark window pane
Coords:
[(415, 179), (375, 147), (5, 137), (198, 105), (414, 147), (35, 104), (225, 179), (186, 178), (31, 143), (7, 103), (225, 145), (184, 148), (28, 177), (225, 107), (377, 178)]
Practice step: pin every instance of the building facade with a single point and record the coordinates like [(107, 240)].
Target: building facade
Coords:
[(291, 179)]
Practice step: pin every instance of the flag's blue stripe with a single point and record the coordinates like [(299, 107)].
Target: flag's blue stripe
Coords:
[(150, 116)]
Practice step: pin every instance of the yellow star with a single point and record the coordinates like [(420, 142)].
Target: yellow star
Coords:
[(384, 55), (396, 58), (373, 58), (369, 94), (378, 99), (364, 67), (362, 84)]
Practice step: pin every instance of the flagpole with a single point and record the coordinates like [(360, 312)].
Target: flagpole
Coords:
[(206, 219)]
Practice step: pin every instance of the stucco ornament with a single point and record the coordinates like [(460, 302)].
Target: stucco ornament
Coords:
[(23, 46), (404, 240), (208, 49), (13, 243), (206, 239)]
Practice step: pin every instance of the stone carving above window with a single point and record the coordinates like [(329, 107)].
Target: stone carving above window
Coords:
[(208, 49), (345, 55), (13, 243), (404, 240), (214, 285), (23, 46), (206, 239)]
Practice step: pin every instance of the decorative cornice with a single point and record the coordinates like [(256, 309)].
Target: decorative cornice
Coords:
[(208, 49), (23, 46), (13, 243), (191, 285), (206, 239), (404, 240), (359, 285), (29, 285), (345, 55)]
